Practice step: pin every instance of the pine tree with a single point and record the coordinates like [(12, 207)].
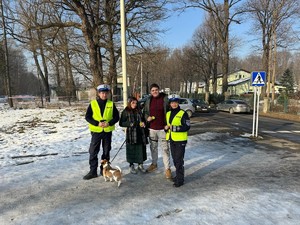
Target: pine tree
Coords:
[(287, 80)]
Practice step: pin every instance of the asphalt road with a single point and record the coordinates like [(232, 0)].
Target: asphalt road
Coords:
[(268, 128)]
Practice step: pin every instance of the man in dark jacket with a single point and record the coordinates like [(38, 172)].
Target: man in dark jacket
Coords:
[(155, 111), (102, 115)]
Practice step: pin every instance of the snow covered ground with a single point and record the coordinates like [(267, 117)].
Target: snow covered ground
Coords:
[(229, 180)]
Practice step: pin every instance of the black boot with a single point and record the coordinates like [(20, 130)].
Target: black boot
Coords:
[(177, 184), (89, 176)]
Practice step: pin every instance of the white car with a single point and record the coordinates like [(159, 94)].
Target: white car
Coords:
[(234, 106), (3, 99), (187, 105)]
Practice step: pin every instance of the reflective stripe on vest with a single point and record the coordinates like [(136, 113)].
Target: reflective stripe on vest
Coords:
[(176, 136), (107, 116)]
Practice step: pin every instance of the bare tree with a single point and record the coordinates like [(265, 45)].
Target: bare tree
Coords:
[(253, 61), (296, 68), (206, 54), (222, 16), (182, 70), (175, 70), (140, 19), (99, 23), (272, 19), (17, 63), (26, 15), (155, 66), (7, 80)]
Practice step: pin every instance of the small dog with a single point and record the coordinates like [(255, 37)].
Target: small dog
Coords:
[(112, 174)]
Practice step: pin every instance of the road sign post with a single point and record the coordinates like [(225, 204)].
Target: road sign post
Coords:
[(257, 109), (258, 81), (254, 111)]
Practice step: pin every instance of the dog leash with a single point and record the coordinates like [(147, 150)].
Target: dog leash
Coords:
[(118, 151)]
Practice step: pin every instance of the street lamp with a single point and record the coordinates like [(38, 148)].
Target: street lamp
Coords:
[(141, 76), (123, 48)]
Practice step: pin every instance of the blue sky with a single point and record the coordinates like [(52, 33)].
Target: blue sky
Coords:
[(181, 29)]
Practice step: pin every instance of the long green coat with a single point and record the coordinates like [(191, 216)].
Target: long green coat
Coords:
[(136, 139)]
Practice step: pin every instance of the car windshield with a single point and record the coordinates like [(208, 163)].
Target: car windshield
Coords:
[(241, 102), (201, 101), (183, 101)]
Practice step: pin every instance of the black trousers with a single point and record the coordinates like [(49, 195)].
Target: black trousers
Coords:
[(177, 151), (97, 139)]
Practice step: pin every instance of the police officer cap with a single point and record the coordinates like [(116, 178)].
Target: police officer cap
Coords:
[(173, 98), (103, 87)]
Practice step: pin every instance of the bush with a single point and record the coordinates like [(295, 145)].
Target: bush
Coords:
[(216, 98), (282, 98)]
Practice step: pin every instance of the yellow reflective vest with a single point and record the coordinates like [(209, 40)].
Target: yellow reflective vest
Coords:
[(107, 116), (176, 136)]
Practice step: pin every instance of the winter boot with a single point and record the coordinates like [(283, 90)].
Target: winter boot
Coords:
[(132, 169), (168, 174), (151, 168), (89, 176), (141, 168)]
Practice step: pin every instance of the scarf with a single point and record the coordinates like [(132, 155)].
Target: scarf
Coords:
[(135, 134)]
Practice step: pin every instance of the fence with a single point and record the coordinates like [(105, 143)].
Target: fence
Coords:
[(30, 102)]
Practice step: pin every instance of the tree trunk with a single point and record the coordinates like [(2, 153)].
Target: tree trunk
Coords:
[(43, 75), (214, 78), (274, 68), (90, 36), (46, 73), (225, 58), (5, 49)]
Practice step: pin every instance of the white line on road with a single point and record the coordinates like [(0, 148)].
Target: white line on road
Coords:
[(281, 131)]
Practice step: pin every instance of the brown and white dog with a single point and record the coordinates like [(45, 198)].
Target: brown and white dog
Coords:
[(112, 174)]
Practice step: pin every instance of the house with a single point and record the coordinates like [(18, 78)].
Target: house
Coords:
[(239, 82)]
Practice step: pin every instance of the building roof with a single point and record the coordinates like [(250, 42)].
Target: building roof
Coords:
[(235, 71), (239, 81)]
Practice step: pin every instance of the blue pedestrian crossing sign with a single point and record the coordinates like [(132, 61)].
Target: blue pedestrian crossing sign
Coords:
[(258, 78)]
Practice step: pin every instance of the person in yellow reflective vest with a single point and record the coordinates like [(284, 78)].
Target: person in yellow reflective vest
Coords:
[(178, 124), (102, 115)]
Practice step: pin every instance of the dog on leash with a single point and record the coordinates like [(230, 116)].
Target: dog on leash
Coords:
[(112, 174)]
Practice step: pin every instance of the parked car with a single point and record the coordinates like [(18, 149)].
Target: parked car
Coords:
[(141, 102), (184, 103), (3, 99), (234, 106), (187, 105), (201, 105)]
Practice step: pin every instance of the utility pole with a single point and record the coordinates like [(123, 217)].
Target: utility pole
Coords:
[(141, 76), (123, 48), (5, 50)]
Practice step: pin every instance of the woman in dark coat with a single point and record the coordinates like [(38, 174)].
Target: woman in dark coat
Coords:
[(136, 139)]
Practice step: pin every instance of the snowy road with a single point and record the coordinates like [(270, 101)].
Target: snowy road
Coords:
[(229, 179)]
